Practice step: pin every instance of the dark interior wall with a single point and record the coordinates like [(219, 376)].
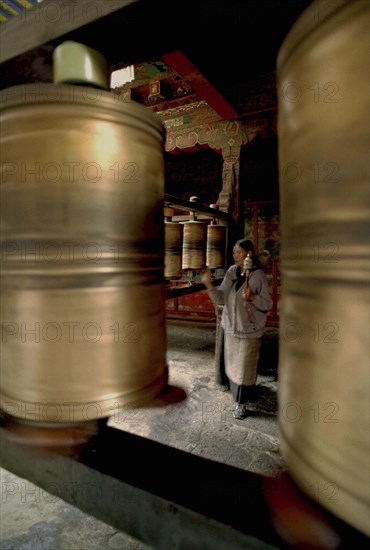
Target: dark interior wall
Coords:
[(194, 173), (199, 172), (259, 170)]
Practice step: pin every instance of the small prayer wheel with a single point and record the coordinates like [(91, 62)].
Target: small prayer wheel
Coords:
[(194, 242), (173, 237), (216, 243), (194, 245)]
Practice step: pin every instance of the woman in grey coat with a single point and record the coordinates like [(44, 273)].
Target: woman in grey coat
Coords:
[(245, 296)]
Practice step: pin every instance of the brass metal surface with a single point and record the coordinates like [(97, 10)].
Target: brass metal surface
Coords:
[(173, 237), (216, 246), (323, 129), (82, 302), (194, 245)]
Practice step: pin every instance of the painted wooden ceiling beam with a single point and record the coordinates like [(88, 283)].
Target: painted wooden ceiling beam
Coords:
[(181, 64)]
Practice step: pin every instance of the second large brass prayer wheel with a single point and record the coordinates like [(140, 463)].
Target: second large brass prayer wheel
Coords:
[(323, 131), (82, 302)]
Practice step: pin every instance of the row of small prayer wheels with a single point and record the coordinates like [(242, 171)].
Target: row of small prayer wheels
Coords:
[(193, 245)]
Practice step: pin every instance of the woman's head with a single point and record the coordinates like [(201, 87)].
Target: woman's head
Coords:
[(242, 249), (246, 245)]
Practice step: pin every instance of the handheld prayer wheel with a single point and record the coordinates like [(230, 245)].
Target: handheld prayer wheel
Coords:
[(323, 129), (173, 236), (82, 304)]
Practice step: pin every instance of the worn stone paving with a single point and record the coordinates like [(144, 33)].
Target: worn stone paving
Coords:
[(202, 424)]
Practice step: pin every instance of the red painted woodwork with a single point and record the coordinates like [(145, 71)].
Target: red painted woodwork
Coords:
[(178, 61)]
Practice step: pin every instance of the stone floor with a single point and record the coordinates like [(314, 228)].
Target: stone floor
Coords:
[(32, 519)]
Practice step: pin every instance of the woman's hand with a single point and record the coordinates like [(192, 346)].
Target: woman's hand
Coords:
[(248, 295)]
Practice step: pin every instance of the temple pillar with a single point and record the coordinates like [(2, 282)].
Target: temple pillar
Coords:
[(229, 195)]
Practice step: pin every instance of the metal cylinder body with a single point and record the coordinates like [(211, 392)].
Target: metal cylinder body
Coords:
[(216, 246), (194, 245), (323, 130), (173, 235), (82, 303)]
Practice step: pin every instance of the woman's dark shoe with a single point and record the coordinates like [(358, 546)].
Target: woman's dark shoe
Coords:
[(240, 412)]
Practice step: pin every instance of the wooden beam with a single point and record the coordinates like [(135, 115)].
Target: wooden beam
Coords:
[(183, 204), (139, 486), (50, 20), (176, 292), (181, 64)]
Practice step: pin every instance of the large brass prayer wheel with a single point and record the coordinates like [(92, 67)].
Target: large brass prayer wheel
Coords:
[(82, 304), (323, 130)]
